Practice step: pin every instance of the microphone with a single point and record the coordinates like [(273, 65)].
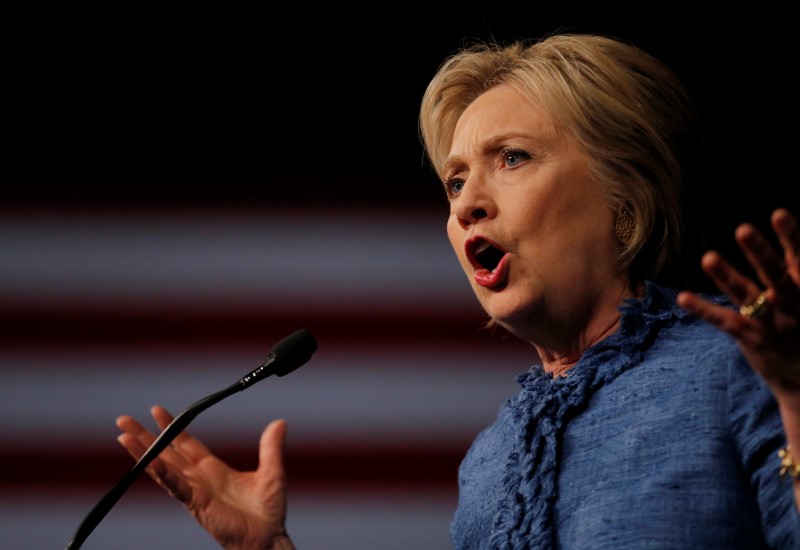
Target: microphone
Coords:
[(286, 356)]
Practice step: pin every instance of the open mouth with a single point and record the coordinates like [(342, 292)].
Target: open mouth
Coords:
[(483, 254)]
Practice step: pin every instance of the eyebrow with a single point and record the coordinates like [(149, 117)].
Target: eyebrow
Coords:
[(492, 144)]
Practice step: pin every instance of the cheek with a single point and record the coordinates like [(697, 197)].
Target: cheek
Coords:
[(456, 236), (453, 233)]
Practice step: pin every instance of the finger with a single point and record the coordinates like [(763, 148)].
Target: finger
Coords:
[(728, 279), (270, 455), (136, 440), (131, 426), (162, 416), (787, 229), (190, 447), (158, 469), (720, 316), (760, 253), (788, 233), (140, 440), (131, 444), (146, 438)]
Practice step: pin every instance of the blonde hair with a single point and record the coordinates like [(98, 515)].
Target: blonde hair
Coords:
[(625, 108)]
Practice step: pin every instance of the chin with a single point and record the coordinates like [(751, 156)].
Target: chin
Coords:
[(516, 309), (513, 319)]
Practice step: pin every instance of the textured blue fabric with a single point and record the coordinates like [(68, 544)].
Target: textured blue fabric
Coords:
[(661, 437)]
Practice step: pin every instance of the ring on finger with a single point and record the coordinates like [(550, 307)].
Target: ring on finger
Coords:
[(756, 309)]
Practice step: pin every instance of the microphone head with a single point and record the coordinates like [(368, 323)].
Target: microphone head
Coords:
[(292, 352)]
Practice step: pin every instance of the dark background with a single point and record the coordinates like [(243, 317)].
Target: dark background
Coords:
[(145, 152), (319, 107)]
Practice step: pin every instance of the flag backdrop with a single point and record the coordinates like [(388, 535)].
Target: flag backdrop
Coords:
[(181, 191)]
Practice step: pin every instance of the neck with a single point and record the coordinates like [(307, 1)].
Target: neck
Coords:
[(559, 359), (559, 363)]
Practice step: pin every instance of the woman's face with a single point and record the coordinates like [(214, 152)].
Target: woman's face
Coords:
[(528, 224)]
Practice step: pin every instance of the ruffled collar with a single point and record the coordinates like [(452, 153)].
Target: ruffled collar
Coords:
[(545, 405)]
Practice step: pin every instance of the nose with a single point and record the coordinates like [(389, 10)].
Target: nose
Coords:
[(474, 203)]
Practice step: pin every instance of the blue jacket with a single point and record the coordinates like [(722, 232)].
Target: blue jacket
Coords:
[(661, 437)]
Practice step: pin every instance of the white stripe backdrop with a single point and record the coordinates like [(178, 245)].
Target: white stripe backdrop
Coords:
[(354, 394)]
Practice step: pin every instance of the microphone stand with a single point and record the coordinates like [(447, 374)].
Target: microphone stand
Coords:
[(175, 427), (288, 354)]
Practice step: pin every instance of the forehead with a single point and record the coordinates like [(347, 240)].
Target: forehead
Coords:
[(499, 112)]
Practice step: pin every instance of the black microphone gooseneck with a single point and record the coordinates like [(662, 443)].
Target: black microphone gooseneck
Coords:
[(287, 355)]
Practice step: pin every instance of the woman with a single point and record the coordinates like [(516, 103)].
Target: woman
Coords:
[(654, 418)]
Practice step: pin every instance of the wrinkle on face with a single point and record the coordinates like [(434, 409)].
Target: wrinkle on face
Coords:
[(546, 212)]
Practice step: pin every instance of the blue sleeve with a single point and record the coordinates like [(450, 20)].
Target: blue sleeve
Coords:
[(757, 429)]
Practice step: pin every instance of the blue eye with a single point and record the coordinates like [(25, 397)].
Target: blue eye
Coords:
[(514, 157), (453, 187)]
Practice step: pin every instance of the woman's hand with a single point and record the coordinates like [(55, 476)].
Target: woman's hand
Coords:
[(767, 325), (241, 510), (768, 334)]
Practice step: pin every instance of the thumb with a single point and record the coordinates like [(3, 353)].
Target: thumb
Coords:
[(270, 448)]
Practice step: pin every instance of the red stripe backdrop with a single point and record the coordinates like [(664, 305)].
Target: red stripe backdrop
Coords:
[(179, 194), (112, 312)]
